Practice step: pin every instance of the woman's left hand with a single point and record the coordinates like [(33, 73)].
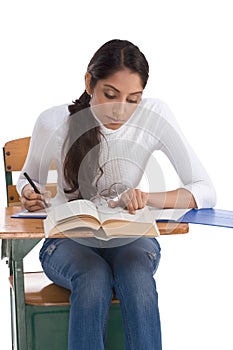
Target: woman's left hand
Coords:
[(132, 199)]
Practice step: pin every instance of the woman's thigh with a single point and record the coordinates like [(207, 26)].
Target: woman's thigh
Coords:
[(143, 253), (65, 260)]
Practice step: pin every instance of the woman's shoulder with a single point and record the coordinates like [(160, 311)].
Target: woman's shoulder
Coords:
[(157, 111), (52, 121), (54, 116), (157, 106)]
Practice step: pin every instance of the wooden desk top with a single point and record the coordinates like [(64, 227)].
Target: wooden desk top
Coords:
[(12, 228)]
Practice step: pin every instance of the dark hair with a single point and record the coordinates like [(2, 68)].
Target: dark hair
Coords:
[(83, 131)]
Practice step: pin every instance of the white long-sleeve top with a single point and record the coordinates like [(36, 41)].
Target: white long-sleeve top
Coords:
[(124, 152)]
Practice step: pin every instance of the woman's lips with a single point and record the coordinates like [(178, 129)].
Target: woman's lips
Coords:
[(114, 120)]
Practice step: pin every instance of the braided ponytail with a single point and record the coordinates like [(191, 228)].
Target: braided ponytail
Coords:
[(81, 103), (82, 145)]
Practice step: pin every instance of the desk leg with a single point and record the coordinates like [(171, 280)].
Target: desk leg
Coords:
[(20, 248), (19, 303)]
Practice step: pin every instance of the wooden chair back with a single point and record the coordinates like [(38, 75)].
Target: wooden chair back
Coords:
[(14, 154)]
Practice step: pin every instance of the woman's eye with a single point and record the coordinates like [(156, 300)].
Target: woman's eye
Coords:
[(132, 101), (109, 96), (129, 100)]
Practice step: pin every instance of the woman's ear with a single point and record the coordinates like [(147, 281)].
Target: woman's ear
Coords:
[(88, 83)]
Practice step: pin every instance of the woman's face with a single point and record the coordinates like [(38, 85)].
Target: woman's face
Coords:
[(115, 98)]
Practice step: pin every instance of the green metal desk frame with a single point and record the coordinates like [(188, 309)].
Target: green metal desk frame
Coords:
[(30, 321)]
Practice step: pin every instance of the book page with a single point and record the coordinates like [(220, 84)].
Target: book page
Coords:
[(73, 222), (129, 229), (111, 214), (74, 208), (72, 225)]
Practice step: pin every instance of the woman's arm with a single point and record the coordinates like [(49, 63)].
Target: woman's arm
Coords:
[(43, 149), (196, 188), (179, 198), (134, 199)]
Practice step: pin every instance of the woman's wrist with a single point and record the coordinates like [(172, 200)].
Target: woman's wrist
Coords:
[(179, 198)]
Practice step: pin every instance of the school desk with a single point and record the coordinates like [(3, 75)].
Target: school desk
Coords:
[(21, 236)]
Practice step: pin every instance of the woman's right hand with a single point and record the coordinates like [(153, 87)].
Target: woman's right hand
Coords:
[(131, 199), (33, 201)]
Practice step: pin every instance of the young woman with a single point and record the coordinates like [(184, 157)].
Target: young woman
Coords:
[(101, 142)]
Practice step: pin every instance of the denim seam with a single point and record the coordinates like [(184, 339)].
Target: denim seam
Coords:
[(154, 258), (124, 308)]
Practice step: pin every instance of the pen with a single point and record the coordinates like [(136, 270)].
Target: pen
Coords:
[(35, 188)]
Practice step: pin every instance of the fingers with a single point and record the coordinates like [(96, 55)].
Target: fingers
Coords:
[(33, 201), (112, 203), (134, 199), (131, 199), (46, 198)]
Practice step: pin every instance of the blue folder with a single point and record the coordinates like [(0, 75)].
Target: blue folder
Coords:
[(24, 214), (212, 217)]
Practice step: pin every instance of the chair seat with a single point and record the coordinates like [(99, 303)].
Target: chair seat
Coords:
[(40, 290)]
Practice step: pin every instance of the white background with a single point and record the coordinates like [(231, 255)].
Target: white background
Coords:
[(45, 48)]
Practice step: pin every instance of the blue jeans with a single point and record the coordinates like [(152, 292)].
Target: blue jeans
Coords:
[(91, 274)]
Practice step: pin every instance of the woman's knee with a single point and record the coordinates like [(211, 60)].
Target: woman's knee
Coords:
[(140, 256)]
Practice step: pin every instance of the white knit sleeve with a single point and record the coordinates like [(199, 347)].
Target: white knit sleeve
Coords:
[(44, 146), (189, 168)]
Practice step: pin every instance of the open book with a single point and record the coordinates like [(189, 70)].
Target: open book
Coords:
[(102, 222)]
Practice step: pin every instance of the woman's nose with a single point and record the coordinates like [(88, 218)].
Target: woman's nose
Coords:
[(118, 109)]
